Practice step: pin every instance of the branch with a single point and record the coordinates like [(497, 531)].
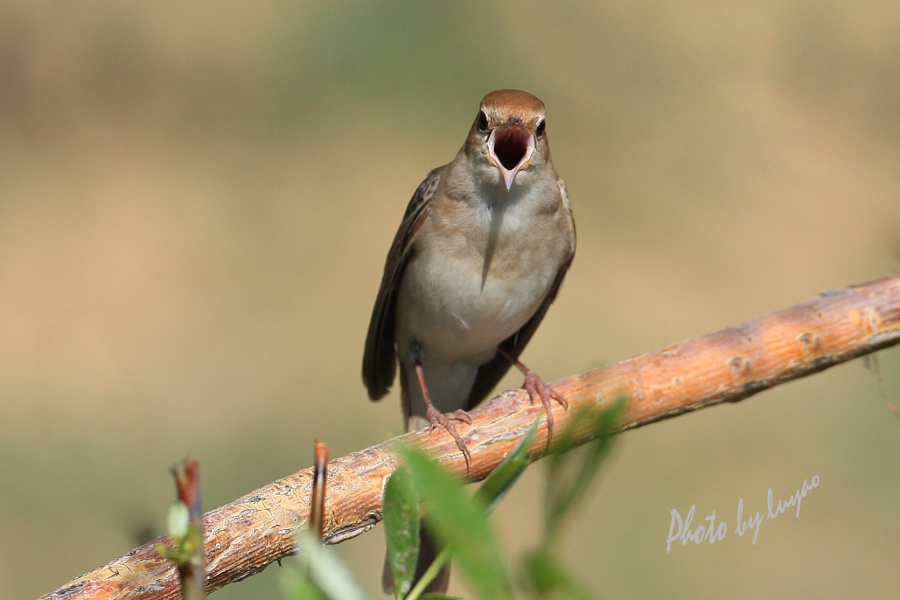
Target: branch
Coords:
[(246, 535)]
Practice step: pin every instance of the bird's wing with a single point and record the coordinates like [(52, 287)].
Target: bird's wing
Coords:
[(379, 360)]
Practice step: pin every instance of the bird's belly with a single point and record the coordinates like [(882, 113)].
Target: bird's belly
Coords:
[(459, 315)]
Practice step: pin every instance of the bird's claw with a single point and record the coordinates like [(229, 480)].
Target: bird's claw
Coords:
[(537, 388), (436, 418)]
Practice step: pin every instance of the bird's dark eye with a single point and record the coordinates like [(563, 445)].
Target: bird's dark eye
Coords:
[(540, 128), (482, 121)]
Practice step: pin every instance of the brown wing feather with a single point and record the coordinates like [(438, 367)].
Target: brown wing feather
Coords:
[(379, 360)]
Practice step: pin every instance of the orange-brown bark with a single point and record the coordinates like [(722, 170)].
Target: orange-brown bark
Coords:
[(730, 365)]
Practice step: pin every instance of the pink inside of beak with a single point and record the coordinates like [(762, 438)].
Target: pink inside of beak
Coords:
[(510, 146)]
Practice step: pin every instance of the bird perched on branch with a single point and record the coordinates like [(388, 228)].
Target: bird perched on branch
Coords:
[(480, 254)]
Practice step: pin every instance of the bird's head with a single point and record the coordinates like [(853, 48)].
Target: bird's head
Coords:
[(508, 133)]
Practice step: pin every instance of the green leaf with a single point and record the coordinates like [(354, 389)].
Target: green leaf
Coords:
[(186, 546), (547, 577), (297, 585), (568, 479), (459, 522), (430, 574), (501, 480), (177, 520), (401, 529), (327, 571)]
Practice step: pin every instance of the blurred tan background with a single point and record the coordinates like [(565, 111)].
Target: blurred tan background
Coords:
[(196, 201)]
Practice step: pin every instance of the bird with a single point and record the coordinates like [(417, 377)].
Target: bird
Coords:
[(481, 253)]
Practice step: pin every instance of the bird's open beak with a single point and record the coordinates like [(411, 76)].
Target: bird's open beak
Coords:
[(510, 147)]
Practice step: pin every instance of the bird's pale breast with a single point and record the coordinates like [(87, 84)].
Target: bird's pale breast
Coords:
[(460, 309)]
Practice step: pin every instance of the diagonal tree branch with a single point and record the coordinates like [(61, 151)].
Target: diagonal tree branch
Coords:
[(727, 366)]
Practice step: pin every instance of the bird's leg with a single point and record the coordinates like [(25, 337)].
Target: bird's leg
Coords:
[(434, 415), (537, 388)]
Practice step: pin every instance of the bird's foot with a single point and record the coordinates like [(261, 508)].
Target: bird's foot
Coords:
[(537, 388), (458, 415), (444, 420), (543, 392)]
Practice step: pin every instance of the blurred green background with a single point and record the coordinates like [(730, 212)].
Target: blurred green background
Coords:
[(196, 201)]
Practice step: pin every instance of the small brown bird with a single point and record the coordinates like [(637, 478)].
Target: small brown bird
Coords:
[(481, 253)]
